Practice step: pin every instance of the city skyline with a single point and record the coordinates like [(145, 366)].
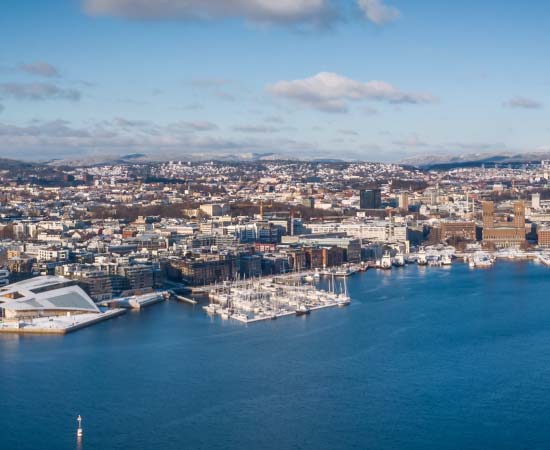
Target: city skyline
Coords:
[(366, 80)]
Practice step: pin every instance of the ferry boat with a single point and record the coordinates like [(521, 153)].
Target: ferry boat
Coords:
[(399, 260), (386, 262)]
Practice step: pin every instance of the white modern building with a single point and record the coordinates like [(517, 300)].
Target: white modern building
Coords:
[(44, 296)]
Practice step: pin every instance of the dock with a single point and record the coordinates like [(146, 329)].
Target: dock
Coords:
[(181, 298), (136, 301)]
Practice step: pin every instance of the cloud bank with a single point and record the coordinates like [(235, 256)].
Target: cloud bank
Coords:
[(331, 92), (263, 11), (285, 12)]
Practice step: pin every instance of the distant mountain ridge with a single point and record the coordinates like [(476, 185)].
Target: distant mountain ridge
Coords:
[(473, 159), (144, 158)]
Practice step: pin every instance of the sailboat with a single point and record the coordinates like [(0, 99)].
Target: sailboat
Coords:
[(343, 298)]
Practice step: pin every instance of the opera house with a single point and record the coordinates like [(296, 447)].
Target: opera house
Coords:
[(44, 296)]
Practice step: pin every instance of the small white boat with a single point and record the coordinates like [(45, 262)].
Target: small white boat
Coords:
[(446, 260), (344, 301)]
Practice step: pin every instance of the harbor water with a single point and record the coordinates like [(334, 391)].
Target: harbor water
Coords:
[(424, 358)]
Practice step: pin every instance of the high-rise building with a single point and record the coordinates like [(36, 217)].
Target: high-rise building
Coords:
[(370, 198), (488, 210), (519, 215), (404, 200)]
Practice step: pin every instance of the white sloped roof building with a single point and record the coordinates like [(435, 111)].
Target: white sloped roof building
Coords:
[(44, 296)]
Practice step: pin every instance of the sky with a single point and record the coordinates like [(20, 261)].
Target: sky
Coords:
[(379, 80)]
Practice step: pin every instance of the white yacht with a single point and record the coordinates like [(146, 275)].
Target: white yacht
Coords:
[(482, 259), (422, 258), (446, 260)]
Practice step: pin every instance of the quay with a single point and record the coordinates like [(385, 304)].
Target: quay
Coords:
[(58, 325)]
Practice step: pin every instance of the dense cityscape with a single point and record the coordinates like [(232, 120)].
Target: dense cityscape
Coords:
[(125, 231)]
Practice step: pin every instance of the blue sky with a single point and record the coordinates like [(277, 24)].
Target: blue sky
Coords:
[(353, 79)]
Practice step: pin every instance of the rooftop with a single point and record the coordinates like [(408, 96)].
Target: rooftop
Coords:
[(46, 293)]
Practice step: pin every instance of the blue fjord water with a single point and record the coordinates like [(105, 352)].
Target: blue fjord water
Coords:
[(424, 358)]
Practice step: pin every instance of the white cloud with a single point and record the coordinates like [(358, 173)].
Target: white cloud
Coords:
[(40, 68), (289, 12), (262, 11), (522, 102), (331, 92), (37, 91), (256, 129), (379, 13)]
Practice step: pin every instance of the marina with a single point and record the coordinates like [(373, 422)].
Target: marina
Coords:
[(256, 300)]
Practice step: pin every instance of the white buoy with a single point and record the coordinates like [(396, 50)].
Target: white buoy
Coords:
[(79, 430)]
